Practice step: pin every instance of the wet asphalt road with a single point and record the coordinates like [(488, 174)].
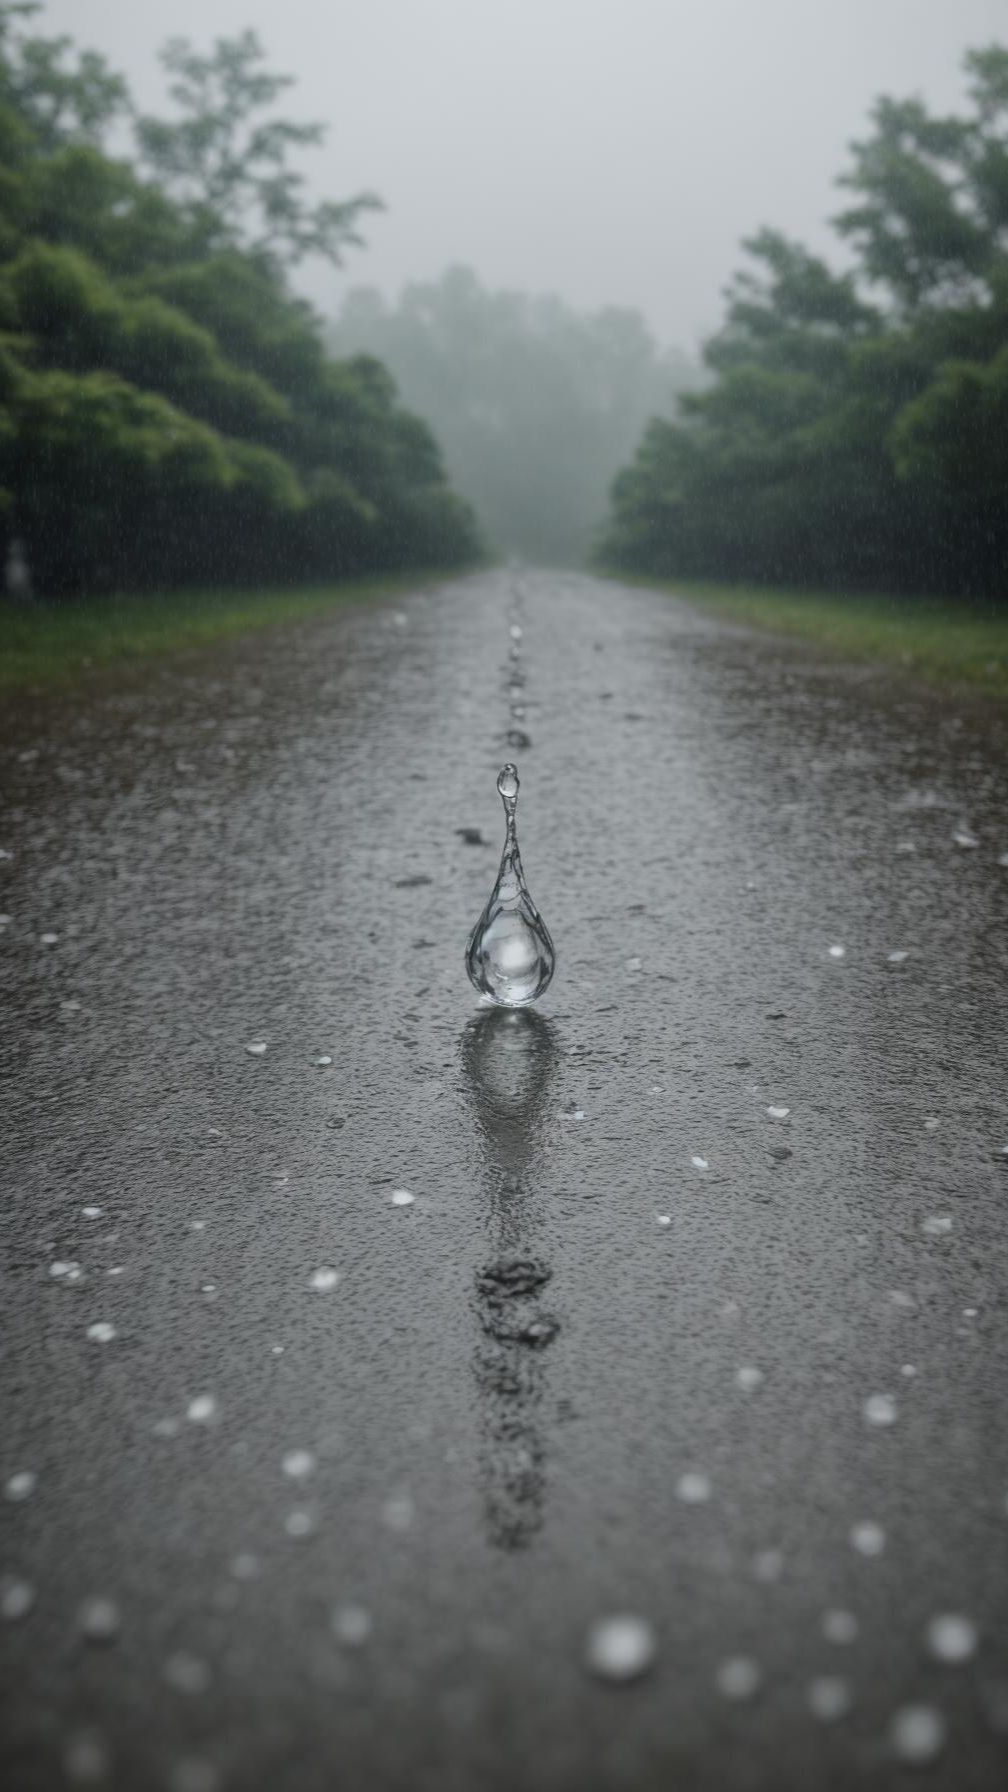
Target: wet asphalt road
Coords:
[(263, 846)]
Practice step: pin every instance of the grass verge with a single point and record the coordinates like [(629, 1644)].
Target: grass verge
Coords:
[(46, 645), (933, 639)]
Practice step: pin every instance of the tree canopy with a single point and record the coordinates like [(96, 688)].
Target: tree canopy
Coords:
[(535, 404), (168, 408), (854, 432)]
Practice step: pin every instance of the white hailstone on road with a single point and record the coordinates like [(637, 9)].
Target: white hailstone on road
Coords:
[(905, 1302), (62, 1271), (693, 1488), (398, 1512), (86, 1758), (298, 1464), (193, 1775), (932, 1123), (299, 1523), (749, 1378), (699, 1163), (166, 1427), (839, 1627), (49, 939), (951, 1637), (829, 1698), (838, 951), (16, 1598), (898, 957), (92, 1213), (768, 1565), (937, 1225), (256, 1048), (351, 1625), (664, 1219), (620, 1648), (323, 1279), (187, 1674), (880, 1409), (21, 1485), (101, 1331), (868, 1538), (401, 1197), (202, 1409), (634, 964), (778, 1113), (738, 1677), (964, 838), (1003, 858), (98, 1620), (917, 1734), (323, 1062)]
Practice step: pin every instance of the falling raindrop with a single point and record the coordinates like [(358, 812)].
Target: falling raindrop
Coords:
[(510, 955), (917, 1734), (839, 1627), (298, 1464), (965, 839), (952, 1638), (693, 1488), (768, 1565), (187, 1674), (22, 1485), (86, 1758), (398, 1512), (620, 1648), (98, 1620), (868, 1538), (194, 1775), (16, 1598), (202, 1410), (299, 1524), (880, 1409), (749, 1378), (829, 1698), (838, 951), (351, 1625)]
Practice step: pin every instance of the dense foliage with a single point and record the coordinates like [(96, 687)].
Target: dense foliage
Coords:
[(168, 409), (855, 433), (535, 404)]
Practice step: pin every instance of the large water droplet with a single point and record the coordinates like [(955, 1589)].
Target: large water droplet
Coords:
[(510, 955)]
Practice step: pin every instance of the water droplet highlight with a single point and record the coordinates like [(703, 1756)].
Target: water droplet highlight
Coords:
[(510, 956)]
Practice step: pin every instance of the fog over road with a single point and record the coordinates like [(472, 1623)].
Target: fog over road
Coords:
[(738, 1134)]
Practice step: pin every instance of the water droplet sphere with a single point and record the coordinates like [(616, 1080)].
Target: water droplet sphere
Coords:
[(510, 955)]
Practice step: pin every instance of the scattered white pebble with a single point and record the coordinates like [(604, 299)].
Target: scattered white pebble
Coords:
[(693, 1488), (101, 1331), (768, 1565), (880, 1409), (398, 1512), (351, 1625), (256, 1048), (202, 1409), (299, 1523), (324, 1062), (951, 1637), (16, 1598), (829, 1698), (92, 1213), (22, 1485), (839, 1627), (193, 1775), (749, 1378), (699, 1163), (323, 1279), (738, 1677), (898, 957), (838, 951), (937, 1225), (86, 1758), (778, 1113), (98, 1620), (298, 1464), (965, 839), (401, 1197), (917, 1734), (187, 1673), (868, 1538), (620, 1648)]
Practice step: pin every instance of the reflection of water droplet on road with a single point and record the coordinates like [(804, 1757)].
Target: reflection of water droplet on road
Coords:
[(510, 955), (620, 1648)]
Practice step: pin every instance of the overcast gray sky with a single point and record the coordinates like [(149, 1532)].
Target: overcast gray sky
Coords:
[(613, 151)]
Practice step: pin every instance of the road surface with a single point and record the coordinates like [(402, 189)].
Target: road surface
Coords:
[(353, 1530)]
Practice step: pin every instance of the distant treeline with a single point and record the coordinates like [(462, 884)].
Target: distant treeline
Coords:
[(168, 410), (855, 432), (536, 405)]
